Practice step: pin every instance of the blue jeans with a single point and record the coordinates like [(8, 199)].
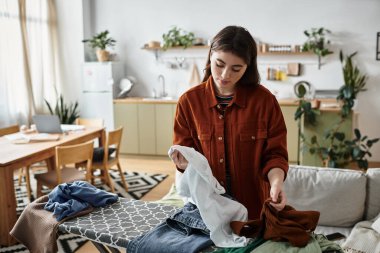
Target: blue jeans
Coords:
[(68, 199), (183, 232)]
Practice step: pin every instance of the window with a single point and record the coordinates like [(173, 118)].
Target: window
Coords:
[(28, 56)]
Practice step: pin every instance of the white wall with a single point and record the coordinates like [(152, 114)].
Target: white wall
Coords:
[(133, 23), (70, 35)]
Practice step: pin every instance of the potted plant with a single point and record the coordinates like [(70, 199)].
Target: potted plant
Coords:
[(316, 42), (305, 111), (176, 37), (354, 82), (67, 114), (101, 42), (335, 149)]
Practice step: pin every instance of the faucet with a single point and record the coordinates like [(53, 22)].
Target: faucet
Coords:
[(161, 78)]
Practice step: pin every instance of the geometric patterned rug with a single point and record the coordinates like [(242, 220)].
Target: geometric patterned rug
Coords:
[(139, 184)]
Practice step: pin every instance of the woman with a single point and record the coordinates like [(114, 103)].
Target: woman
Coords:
[(236, 124)]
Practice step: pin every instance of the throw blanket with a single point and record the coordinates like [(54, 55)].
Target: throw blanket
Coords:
[(37, 228), (67, 199), (288, 225), (362, 239), (317, 244), (216, 211)]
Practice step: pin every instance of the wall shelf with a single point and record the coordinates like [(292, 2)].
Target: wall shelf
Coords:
[(177, 48), (156, 51), (207, 47)]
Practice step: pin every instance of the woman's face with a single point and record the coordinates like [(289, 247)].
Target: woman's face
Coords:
[(226, 70)]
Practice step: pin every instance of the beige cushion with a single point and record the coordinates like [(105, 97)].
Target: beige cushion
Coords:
[(338, 194), (373, 194)]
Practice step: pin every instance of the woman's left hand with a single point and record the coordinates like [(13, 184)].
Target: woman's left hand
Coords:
[(276, 178), (278, 197)]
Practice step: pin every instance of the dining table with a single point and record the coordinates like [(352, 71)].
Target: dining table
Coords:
[(15, 155)]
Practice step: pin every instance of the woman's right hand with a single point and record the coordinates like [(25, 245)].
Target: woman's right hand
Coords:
[(179, 160)]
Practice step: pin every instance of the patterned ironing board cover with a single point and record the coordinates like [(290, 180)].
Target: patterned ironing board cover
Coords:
[(117, 224)]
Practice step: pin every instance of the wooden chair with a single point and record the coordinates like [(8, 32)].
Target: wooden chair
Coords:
[(9, 130), (90, 122), (23, 172), (113, 140), (95, 122), (65, 155)]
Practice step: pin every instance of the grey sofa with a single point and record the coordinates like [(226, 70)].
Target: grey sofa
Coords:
[(343, 197)]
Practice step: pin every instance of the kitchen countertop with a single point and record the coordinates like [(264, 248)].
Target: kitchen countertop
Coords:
[(142, 100), (327, 104)]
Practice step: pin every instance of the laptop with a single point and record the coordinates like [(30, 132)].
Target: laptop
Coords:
[(47, 123)]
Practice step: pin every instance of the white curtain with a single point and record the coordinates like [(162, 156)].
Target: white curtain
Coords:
[(28, 59)]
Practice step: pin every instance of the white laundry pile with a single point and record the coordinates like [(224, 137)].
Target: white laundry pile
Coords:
[(376, 224), (198, 183)]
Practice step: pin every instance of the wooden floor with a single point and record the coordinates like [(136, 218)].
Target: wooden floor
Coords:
[(147, 164)]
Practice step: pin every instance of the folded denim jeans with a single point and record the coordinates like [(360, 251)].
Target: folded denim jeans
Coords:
[(183, 232), (188, 220)]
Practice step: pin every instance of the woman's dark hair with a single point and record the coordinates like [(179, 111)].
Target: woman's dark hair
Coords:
[(238, 41)]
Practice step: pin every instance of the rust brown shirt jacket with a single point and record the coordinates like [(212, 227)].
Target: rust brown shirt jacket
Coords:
[(252, 133)]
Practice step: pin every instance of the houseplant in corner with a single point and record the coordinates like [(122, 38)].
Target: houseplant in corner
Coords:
[(335, 149), (317, 43), (101, 42)]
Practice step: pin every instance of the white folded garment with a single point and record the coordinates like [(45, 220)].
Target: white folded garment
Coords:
[(198, 183)]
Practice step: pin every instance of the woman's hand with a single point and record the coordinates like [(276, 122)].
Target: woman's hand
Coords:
[(276, 179), (179, 160), (278, 197)]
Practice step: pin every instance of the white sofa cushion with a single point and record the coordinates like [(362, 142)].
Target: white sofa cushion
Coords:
[(338, 194), (376, 224), (373, 194)]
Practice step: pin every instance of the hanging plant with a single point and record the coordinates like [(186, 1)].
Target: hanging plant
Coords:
[(317, 43)]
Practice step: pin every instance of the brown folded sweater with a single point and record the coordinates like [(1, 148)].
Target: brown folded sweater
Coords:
[(37, 228), (287, 225)]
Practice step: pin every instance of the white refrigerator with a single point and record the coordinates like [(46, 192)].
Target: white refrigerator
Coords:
[(99, 88)]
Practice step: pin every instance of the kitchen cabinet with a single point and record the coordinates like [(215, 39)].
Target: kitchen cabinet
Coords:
[(148, 126), (327, 120), (126, 115), (288, 112), (164, 127)]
